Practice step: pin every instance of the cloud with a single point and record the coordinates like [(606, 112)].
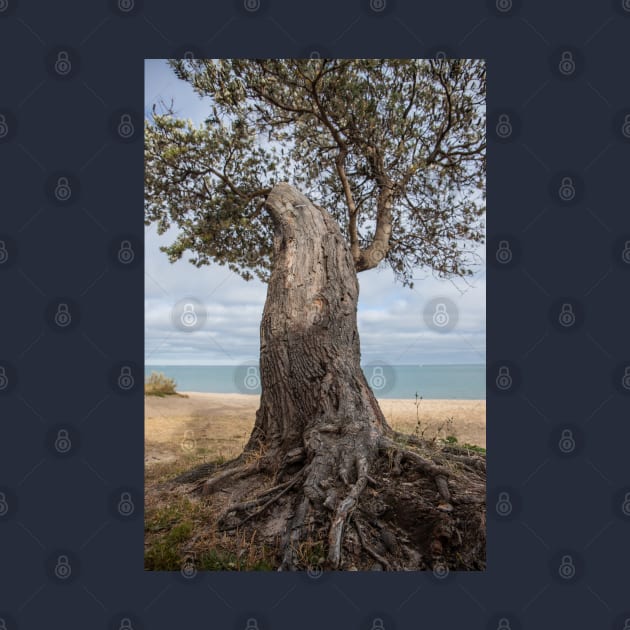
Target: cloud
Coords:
[(390, 317)]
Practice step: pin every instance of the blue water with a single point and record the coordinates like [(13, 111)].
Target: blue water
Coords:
[(402, 381)]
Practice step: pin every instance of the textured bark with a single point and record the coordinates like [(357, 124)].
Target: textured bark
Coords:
[(320, 439), (314, 393)]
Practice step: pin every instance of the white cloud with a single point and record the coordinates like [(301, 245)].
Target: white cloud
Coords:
[(390, 317)]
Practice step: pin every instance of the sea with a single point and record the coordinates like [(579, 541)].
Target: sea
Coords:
[(452, 381)]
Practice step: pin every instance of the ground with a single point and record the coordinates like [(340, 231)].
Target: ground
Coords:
[(193, 429)]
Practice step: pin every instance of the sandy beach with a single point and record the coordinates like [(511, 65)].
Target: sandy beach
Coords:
[(218, 425)]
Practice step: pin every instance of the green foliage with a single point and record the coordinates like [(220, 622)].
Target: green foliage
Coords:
[(394, 149), (159, 385)]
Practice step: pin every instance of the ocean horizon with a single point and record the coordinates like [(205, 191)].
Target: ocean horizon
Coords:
[(430, 381)]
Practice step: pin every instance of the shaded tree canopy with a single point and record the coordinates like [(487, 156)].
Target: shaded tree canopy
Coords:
[(393, 149)]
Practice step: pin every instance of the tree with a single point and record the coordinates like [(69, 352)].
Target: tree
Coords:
[(393, 152)]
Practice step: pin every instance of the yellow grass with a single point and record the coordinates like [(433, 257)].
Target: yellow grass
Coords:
[(187, 430)]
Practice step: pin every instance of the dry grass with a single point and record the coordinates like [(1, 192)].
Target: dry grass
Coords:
[(182, 433)]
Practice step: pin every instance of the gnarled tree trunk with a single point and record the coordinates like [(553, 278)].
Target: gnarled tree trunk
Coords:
[(322, 466)]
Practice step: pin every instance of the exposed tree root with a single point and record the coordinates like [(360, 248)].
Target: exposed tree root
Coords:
[(395, 507), (369, 548), (261, 499)]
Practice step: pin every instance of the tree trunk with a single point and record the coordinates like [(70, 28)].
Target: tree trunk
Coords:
[(320, 441), (314, 393)]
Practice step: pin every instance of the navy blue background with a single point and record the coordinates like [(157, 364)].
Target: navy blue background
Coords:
[(557, 436)]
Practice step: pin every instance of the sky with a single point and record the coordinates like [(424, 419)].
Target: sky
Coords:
[(437, 322)]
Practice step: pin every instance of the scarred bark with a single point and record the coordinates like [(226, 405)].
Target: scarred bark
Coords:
[(328, 458)]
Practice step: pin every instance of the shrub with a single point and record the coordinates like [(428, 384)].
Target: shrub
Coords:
[(159, 384)]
